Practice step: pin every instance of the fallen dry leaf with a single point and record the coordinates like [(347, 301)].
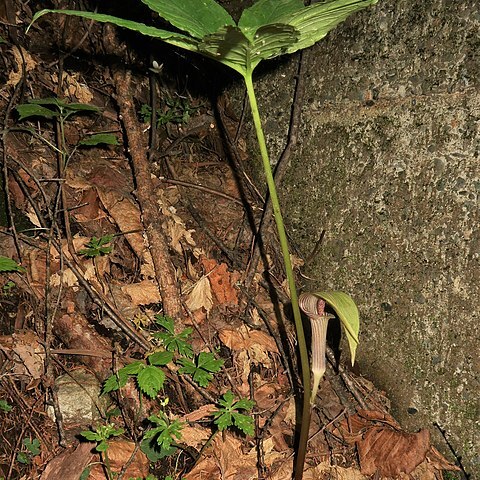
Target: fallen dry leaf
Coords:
[(27, 354), (383, 448), (126, 215), (390, 452), (244, 338), (142, 293), (200, 296), (90, 209), (119, 453), (325, 471), (225, 459), (69, 464), (221, 281)]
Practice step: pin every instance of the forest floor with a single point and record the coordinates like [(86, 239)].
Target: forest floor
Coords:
[(135, 221)]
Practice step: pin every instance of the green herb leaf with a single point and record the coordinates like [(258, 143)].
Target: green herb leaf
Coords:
[(160, 358), (202, 369), (150, 380), (5, 406), (119, 380), (172, 38), (171, 341), (90, 436), (165, 431), (85, 474), (197, 17), (99, 139), (22, 457), (27, 110), (97, 247), (244, 423), (33, 446), (9, 265), (228, 414)]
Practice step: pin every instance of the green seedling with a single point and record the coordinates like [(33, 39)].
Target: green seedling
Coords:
[(161, 440), (5, 406), (97, 247), (171, 341), (202, 368), (60, 110), (150, 378), (229, 414), (267, 29), (101, 435), (8, 287), (33, 449), (177, 110)]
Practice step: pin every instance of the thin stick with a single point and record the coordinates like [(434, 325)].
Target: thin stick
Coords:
[(152, 220)]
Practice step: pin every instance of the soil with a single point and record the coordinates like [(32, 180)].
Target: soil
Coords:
[(169, 197)]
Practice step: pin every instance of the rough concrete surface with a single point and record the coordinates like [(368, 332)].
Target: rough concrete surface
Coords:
[(388, 165)]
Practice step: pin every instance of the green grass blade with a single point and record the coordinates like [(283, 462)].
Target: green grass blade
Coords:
[(347, 311), (197, 17)]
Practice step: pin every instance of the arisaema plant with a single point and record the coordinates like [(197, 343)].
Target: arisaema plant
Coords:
[(267, 29)]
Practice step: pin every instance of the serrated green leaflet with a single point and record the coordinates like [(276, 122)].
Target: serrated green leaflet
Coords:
[(197, 17), (347, 311), (150, 380), (160, 358)]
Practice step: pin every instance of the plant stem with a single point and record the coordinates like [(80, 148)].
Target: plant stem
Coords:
[(302, 345)]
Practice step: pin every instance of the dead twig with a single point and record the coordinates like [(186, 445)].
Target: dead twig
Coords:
[(151, 216)]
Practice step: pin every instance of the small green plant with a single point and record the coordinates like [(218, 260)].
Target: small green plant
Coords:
[(202, 368), (150, 378), (97, 247), (101, 436), (8, 287), (171, 341), (60, 111), (5, 406), (177, 110), (161, 440), (230, 414), (32, 450)]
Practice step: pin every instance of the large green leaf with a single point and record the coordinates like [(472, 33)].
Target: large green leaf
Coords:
[(265, 12), (230, 46), (347, 311), (177, 39), (315, 21), (197, 17)]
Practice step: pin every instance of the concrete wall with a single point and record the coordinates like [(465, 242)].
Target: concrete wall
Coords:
[(388, 164)]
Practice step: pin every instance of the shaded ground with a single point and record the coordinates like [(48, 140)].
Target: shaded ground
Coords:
[(175, 212)]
